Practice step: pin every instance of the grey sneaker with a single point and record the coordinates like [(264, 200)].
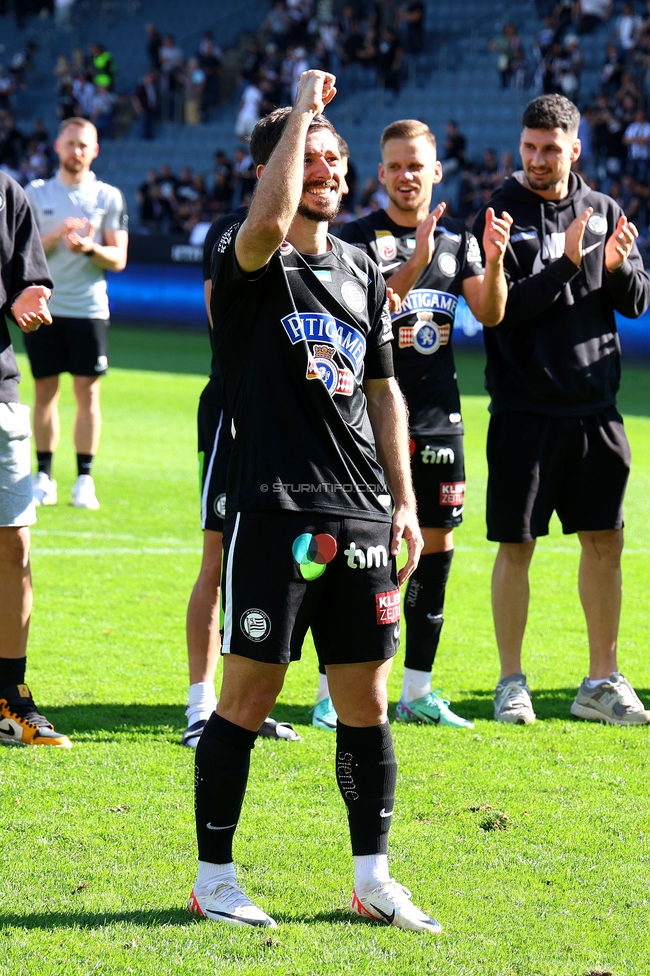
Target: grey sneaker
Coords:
[(512, 701), (614, 701)]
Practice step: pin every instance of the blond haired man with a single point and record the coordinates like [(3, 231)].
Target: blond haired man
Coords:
[(82, 222)]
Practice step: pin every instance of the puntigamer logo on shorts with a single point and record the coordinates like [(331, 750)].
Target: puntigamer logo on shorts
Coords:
[(255, 624)]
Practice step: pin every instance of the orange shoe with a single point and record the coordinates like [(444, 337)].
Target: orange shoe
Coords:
[(21, 724)]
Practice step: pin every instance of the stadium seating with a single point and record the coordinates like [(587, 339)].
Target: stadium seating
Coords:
[(456, 78)]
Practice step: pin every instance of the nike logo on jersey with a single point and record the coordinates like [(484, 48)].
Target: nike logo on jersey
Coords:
[(389, 918), (382, 812), (455, 512), (228, 827), (388, 267), (10, 730), (592, 247)]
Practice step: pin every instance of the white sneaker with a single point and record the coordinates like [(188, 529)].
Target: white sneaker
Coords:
[(44, 489), (391, 904), (512, 701), (614, 700), (83, 492), (226, 902)]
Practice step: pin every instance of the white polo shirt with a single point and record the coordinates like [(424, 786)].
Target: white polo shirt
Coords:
[(79, 285)]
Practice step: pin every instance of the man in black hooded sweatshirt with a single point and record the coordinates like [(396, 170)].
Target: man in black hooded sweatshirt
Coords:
[(556, 440)]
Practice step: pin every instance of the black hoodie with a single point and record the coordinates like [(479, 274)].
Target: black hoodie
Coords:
[(557, 350), (22, 263)]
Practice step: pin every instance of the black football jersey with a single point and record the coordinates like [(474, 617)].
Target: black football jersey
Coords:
[(424, 359), (291, 340)]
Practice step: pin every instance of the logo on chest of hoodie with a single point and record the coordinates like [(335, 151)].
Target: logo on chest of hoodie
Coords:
[(552, 249)]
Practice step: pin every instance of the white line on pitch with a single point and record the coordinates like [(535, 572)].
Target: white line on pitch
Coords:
[(121, 551)]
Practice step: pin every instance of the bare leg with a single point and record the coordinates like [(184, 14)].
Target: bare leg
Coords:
[(359, 692), (249, 690), (47, 426), (88, 420), (599, 584), (510, 595), (16, 595), (437, 540), (203, 638)]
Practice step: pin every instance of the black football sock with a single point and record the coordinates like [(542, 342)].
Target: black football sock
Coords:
[(44, 461), (423, 605), (12, 671), (321, 669), (220, 777), (84, 464), (366, 772)]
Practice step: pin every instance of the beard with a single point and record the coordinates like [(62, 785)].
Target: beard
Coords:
[(320, 210), (326, 212), (407, 205), (72, 166), (542, 182)]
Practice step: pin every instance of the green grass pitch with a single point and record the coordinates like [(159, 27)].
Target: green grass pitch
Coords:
[(97, 847)]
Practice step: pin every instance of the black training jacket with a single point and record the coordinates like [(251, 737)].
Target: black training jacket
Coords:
[(22, 263), (557, 350)]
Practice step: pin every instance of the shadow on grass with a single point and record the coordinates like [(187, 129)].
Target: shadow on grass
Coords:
[(101, 721), (93, 920)]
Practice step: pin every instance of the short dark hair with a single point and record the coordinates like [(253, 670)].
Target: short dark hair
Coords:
[(344, 149), (268, 132), (551, 112)]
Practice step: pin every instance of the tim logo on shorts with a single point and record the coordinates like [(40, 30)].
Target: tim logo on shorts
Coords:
[(373, 556), (388, 607)]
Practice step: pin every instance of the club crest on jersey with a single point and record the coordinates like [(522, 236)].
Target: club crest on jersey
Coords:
[(386, 245), (285, 248), (346, 339), (426, 336), (353, 295), (321, 366), (448, 264)]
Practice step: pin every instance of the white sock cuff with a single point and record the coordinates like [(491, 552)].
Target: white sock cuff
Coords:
[(211, 874), (370, 870), (415, 684), (202, 695), (323, 687)]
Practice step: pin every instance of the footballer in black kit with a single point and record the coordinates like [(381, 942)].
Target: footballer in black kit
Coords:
[(423, 354), (302, 336), (429, 261), (203, 612)]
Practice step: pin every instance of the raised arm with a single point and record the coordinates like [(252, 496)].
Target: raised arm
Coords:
[(280, 182), (388, 417), (487, 294)]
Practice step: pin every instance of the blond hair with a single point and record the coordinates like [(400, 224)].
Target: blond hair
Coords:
[(407, 129), (76, 120)]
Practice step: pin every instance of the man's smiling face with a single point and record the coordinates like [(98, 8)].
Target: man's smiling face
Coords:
[(323, 177), (409, 169)]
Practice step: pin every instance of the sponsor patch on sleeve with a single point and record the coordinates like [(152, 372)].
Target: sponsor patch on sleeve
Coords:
[(388, 607)]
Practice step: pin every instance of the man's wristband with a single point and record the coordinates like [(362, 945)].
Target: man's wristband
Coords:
[(91, 252)]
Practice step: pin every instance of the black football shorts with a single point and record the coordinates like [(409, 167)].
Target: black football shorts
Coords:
[(77, 346), (438, 469), (285, 572), (575, 466), (215, 445)]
